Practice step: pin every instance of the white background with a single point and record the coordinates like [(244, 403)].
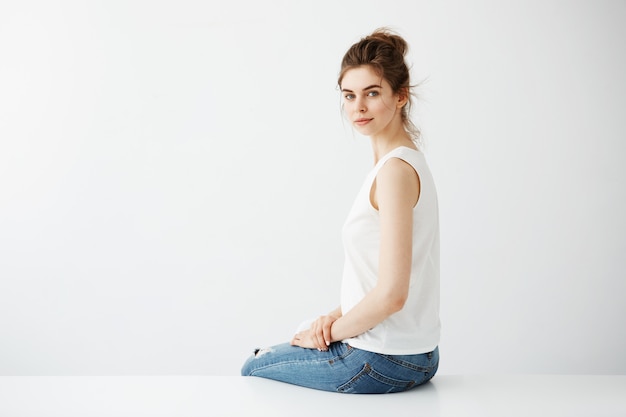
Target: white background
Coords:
[(174, 176)]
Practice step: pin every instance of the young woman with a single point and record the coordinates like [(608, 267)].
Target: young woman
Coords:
[(384, 336)]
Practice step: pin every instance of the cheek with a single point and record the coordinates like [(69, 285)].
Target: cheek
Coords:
[(386, 108), (377, 107), (386, 104)]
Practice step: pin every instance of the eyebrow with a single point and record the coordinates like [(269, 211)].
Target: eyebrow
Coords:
[(369, 87)]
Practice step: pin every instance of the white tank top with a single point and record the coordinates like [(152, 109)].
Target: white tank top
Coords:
[(416, 328)]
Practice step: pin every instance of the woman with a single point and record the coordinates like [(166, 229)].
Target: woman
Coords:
[(384, 336)]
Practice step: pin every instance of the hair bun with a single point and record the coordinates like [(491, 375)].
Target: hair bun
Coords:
[(389, 37)]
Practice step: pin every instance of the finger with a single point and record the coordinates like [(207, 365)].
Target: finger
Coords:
[(319, 337), (326, 333), (315, 326), (317, 334)]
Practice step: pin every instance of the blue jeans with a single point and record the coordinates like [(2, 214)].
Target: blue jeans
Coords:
[(342, 368)]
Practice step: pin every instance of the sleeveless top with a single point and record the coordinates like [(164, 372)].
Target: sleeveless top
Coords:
[(414, 329)]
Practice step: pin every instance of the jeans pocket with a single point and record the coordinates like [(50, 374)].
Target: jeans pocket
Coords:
[(369, 381), (411, 365)]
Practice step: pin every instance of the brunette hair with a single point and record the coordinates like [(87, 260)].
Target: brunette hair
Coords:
[(384, 51)]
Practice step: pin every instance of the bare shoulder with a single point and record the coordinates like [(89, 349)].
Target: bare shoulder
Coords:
[(397, 181), (397, 173)]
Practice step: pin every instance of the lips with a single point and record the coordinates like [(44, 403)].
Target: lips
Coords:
[(362, 121)]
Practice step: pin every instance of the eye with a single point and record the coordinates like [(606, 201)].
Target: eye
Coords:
[(349, 96), (372, 93)]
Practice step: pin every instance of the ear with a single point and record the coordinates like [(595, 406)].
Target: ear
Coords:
[(403, 97)]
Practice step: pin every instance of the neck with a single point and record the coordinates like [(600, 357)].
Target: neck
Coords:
[(383, 144)]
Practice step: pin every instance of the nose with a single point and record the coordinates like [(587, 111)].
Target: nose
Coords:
[(361, 107)]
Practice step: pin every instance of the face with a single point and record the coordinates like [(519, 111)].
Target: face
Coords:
[(369, 102)]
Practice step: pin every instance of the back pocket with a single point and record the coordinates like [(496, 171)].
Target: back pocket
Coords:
[(369, 381)]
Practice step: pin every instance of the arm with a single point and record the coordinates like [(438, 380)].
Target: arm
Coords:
[(395, 194)]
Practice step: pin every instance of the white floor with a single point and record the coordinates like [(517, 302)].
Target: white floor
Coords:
[(189, 396)]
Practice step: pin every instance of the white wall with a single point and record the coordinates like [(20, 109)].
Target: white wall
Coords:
[(174, 176)]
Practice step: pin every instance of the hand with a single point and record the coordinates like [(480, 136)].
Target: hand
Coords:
[(318, 336), (322, 328), (305, 339)]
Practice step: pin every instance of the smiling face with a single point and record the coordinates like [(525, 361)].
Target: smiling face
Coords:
[(370, 103)]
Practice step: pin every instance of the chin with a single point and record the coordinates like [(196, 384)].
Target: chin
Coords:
[(364, 131)]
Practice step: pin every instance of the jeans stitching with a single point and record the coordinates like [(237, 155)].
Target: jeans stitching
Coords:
[(368, 370), (406, 364), (354, 379), (396, 383), (349, 350)]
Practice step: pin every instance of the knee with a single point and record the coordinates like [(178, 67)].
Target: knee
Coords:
[(249, 365), (246, 369)]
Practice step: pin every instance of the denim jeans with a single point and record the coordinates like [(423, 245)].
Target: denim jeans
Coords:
[(342, 368)]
